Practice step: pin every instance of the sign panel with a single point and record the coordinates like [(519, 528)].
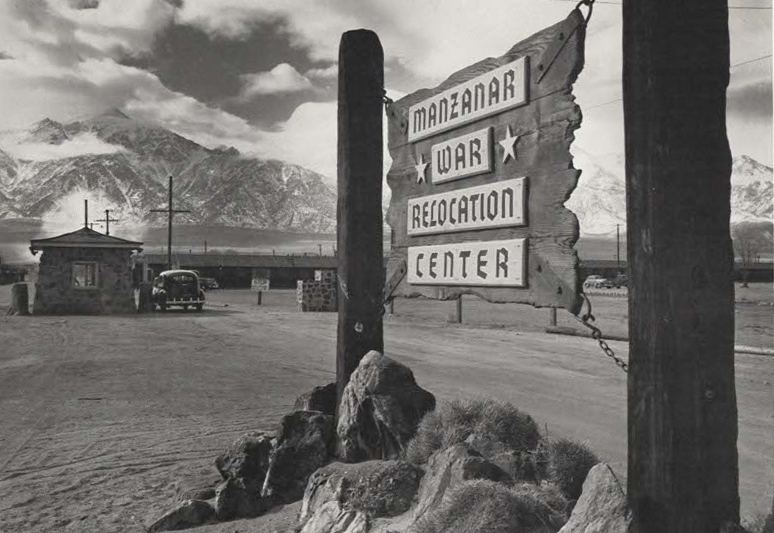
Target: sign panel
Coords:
[(481, 170), (495, 205), (462, 156), (492, 92), (259, 285), (481, 263)]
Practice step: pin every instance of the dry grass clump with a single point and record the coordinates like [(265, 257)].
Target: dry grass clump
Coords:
[(565, 463), (455, 421), (482, 506)]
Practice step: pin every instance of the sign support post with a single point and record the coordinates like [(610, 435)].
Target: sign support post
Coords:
[(682, 413), (360, 160)]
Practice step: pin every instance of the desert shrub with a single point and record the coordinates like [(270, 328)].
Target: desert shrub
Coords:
[(565, 463), (760, 523), (481, 506), (455, 421)]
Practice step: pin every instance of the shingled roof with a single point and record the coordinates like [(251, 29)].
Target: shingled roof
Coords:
[(83, 238)]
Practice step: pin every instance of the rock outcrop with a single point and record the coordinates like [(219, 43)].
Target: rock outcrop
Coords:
[(347, 497), (188, 513), (321, 399), (304, 444), (380, 409), (602, 505)]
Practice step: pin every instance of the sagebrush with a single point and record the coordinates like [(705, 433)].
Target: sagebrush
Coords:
[(455, 421)]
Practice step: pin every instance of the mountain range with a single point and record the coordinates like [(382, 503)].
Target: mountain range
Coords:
[(123, 164), (600, 199)]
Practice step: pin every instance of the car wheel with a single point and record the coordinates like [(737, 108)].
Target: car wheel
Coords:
[(185, 308), (586, 285), (199, 307), (163, 305)]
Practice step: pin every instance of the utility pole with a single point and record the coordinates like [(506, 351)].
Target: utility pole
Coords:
[(359, 230), (107, 220), (170, 213), (683, 474), (205, 246), (618, 247), (85, 212)]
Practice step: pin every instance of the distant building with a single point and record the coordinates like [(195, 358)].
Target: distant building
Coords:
[(84, 272), (236, 271)]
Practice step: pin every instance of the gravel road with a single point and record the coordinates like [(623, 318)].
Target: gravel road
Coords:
[(102, 417)]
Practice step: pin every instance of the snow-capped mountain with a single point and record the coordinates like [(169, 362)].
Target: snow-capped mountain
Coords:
[(600, 199), (123, 164)]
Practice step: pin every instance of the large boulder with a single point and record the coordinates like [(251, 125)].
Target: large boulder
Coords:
[(345, 497), (304, 444), (247, 458), (447, 469), (235, 498), (380, 409), (602, 506), (321, 399), (189, 513)]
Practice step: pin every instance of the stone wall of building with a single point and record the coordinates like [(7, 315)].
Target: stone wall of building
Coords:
[(55, 291), (320, 294)]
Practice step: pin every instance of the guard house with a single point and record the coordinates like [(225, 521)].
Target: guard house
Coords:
[(84, 272)]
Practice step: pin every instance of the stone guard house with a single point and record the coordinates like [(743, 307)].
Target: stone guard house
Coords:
[(84, 272)]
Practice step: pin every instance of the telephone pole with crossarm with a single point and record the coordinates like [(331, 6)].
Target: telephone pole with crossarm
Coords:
[(170, 213)]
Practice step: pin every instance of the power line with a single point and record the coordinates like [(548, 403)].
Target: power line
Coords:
[(619, 4)]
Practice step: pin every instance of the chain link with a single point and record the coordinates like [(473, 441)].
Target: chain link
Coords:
[(596, 334)]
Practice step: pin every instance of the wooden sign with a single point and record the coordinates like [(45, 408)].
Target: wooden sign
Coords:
[(481, 170), (259, 285)]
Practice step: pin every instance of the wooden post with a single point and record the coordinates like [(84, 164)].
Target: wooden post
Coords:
[(359, 234), (682, 415), (552, 317), (260, 297), (458, 307)]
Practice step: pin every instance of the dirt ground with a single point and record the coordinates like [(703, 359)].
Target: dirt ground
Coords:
[(103, 417)]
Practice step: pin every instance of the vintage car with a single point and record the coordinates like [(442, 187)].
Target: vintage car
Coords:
[(208, 283), (177, 287), (594, 282)]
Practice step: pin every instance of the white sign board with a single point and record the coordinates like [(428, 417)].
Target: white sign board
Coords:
[(494, 205), (481, 263), (492, 92), (462, 156), (259, 285)]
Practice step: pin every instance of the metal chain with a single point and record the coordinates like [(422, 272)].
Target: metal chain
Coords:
[(589, 4), (596, 334)]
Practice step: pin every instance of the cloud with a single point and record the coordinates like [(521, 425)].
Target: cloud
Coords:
[(325, 74), (283, 78), (83, 144)]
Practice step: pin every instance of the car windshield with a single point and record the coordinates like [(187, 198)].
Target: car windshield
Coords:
[(183, 279)]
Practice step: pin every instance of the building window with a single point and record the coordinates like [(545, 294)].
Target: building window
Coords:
[(85, 275)]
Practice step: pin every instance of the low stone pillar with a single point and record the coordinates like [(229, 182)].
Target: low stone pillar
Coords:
[(20, 299), (146, 298)]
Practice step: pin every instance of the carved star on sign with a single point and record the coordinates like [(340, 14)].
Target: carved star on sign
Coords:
[(421, 169), (509, 145)]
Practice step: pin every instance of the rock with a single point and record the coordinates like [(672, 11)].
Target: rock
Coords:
[(247, 458), (380, 409), (448, 468), (188, 513), (731, 527), (321, 399), (235, 499), (602, 506), (376, 488), (198, 487), (331, 518), (304, 444)]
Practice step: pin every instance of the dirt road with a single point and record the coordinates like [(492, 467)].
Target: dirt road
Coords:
[(102, 416)]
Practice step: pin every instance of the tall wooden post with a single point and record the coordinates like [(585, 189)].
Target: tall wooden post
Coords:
[(170, 213), (682, 417), (360, 262)]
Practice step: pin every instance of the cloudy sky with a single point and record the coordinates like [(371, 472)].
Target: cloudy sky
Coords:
[(260, 75)]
